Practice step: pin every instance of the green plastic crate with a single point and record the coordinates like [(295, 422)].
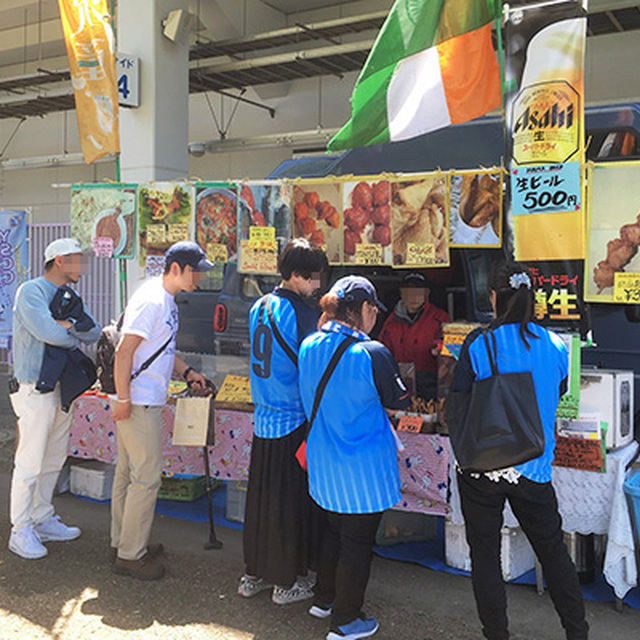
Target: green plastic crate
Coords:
[(184, 488)]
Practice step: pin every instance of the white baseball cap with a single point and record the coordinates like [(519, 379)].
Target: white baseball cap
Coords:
[(61, 247)]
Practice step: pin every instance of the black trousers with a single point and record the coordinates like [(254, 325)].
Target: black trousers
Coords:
[(536, 508), (345, 563)]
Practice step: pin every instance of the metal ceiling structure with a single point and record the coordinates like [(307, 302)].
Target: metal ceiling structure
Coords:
[(332, 47)]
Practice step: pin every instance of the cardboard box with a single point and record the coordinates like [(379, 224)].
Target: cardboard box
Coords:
[(517, 554), (92, 479), (406, 526), (236, 500)]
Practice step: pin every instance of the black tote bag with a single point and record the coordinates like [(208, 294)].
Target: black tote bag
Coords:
[(497, 423)]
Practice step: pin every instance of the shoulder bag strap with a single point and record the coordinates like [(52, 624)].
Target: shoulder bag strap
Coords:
[(278, 336), (344, 345), (147, 363), (492, 361)]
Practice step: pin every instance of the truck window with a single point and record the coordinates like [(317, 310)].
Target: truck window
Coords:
[(254, 286), (212, 280)]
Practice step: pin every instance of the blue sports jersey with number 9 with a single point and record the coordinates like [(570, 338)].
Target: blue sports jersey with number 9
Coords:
[(274, 375)]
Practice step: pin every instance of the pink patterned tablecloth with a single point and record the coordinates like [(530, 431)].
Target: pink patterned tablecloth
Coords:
[(93, 435), (423, 463)]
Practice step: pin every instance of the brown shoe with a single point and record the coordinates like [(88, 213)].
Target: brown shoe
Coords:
[(154, 549), (146, 568)]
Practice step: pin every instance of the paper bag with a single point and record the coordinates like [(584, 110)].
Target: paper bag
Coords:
[(193, 422)]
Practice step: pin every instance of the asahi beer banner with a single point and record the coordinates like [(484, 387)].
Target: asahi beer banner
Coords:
[(612, 264), (13, 265), (544, 71)]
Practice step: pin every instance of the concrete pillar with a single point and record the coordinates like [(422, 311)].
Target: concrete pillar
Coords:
[(154, 136)]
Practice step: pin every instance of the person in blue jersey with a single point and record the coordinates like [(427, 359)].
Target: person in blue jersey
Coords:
[(280, 523), (351, 448), (521, 346)]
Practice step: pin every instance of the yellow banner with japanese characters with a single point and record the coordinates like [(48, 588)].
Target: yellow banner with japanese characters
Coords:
[(90, 51)]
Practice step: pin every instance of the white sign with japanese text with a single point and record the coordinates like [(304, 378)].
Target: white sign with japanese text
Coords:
[(128, 77)]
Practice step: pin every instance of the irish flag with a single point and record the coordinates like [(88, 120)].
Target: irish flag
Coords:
[(431, 65)]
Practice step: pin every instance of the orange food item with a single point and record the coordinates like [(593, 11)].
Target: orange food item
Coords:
[(300, 211), (382, 234), (381, 193), (356, 218), (334, 219), (317, 237), (311, 199), (307, 225), (351, 239), (381, 214), (362, 196), (324, 209)]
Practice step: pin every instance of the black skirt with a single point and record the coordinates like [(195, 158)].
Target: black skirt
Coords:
[(282, 525)]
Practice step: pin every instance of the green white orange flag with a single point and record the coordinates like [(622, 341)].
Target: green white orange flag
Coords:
[(431, 65)]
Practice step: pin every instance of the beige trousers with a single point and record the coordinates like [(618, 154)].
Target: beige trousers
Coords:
[(136, 480)]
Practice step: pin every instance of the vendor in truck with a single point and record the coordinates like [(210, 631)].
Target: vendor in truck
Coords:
[(413, 331)]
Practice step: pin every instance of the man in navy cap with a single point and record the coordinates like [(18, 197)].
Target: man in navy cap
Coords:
[(144, 362)]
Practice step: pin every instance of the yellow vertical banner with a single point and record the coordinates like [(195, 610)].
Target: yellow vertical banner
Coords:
[(545, 128), (90, 51)]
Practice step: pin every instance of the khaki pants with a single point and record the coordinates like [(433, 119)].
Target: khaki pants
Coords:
[(41, 452), (136, 480)]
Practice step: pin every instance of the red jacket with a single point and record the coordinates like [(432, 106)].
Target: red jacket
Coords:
[(412, 340)]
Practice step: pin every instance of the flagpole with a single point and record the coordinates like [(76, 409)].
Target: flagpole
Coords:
[(498, 3)]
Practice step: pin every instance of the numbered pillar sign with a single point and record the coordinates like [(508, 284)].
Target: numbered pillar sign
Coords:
[(127, 72)]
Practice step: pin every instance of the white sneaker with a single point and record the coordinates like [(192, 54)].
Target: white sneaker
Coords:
[(26, 543), (296, 593), (53, 530)]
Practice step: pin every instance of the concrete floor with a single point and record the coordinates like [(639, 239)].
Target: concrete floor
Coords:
[(72, 593)]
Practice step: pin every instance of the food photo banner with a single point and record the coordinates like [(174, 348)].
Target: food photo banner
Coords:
[(612, 264), (165, 216), (399, 220), (475, 208), (103, 219), (544, 73)]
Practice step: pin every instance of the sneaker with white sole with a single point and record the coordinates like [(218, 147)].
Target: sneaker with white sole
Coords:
[(26, 543), (299, 591), (250, 586), (321, 610), (54, 530), (358, 628)]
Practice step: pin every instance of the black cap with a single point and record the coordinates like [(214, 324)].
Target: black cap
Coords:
[(356, 289), (414, 280), (187, 253)]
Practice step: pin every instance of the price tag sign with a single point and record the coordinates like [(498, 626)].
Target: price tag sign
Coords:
[(178, 232), (369, 254), (234, 389), (546, 188), (409, 423), (261, 235), (156, 234), (626, 287), (420, 253), (258, 259), (102, 247), (217, 252)]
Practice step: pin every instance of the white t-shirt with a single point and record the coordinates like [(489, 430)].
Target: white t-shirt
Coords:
[(152, 314)]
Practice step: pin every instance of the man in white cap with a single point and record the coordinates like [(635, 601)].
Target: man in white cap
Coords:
[(43, 426), (144, 362)]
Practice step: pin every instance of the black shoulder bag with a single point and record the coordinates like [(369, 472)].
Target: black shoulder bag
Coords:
[(301, 453), (497, 423)]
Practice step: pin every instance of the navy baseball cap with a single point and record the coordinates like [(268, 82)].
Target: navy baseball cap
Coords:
[(356, 289), (187, 253), (414, 280)]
